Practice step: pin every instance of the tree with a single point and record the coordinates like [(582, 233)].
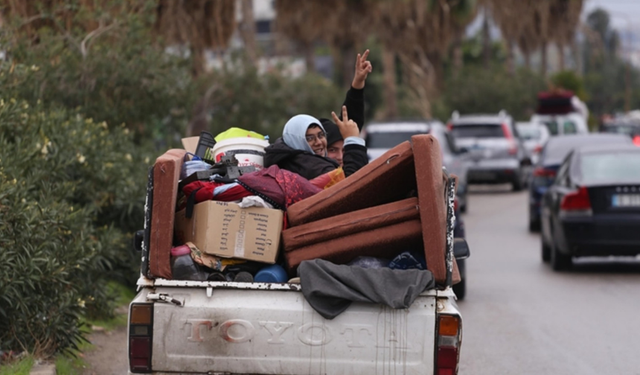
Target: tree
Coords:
[(199, 24)]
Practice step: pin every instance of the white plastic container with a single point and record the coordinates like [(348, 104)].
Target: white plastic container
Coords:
[(247, 150)]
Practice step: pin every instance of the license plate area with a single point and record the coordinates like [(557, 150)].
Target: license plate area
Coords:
[(625, 200)]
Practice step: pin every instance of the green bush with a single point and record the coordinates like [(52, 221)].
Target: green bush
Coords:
[(66, 185)]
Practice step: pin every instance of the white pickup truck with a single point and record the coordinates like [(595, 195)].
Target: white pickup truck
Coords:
[(216, 327)]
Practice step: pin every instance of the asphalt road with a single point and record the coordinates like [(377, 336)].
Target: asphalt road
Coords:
[(521, 317)]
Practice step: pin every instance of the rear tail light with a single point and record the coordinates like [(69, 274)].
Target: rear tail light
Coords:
[(140, 337), (636, 140), (455, 204), (541, 172), (537, 149), (448, 344), (513, 149), (576, 202), (449, 126)]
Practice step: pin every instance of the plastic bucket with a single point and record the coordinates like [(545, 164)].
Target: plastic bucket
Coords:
[(247, 151)]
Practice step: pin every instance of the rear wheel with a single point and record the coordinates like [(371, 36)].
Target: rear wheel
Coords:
[(460, 289), (534, 225), (559, 261), (517, 183), (546, 251)]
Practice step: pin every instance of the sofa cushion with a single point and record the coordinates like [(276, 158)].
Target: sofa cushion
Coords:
[(166, 173), (387, 179)]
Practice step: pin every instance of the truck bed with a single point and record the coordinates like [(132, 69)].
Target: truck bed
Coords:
[(258, 328)]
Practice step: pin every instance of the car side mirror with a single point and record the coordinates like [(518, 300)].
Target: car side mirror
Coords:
[(460, 248), (138, 237)]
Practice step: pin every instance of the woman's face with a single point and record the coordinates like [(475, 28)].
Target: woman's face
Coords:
[(317, 140)]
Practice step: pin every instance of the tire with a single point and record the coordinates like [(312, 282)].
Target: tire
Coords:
[(534, 226), (460, 289), (559, 261), (463, 208), (517, 184), (546, 251)]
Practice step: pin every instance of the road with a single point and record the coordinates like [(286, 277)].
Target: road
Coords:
[(520, 317)]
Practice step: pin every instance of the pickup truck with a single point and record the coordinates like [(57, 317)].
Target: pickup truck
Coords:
[(224, 327)]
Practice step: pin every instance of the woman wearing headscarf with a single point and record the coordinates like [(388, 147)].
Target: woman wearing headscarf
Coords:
[(303, 146)]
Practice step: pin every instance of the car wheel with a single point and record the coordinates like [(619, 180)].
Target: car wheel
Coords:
[(463, 208), (460, 289), (546, 251), (534, 225), (559, 261), (517, 183)]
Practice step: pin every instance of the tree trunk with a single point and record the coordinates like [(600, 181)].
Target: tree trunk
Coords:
[(389, 79), (510, 64), (561, 61), (197, 60), (248, 31), (347, 56), (486, 41), (458, 61), (577, 57), (309, 57), (543, 59)]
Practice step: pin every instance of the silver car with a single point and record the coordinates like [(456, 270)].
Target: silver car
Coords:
[(494, 148), (382, 136)]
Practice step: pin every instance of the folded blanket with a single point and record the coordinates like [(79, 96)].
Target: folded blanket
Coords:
[(330, 288)]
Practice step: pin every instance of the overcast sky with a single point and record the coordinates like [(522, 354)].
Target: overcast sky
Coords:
[(625, 14)]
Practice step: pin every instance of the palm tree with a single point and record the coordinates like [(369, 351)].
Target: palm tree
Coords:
[(302, 22), (200, 24), (565, 18)]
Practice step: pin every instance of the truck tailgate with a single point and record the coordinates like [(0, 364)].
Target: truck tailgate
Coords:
[(277, 332)]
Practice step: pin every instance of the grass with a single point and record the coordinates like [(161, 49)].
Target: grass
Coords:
[(75, 364), (21, 366)]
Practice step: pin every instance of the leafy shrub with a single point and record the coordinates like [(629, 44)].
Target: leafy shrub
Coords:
[(66, 184)]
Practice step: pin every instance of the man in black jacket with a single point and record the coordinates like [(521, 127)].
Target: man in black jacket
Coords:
[(303, 147)]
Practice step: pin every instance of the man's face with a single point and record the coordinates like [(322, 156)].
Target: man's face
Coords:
[(334, 151), (317, 140)]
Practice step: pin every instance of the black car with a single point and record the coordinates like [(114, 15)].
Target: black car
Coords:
[(551, 156), (593, 206), (460, 289)]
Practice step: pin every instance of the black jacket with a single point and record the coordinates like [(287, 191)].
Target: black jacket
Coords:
[(309, 165)]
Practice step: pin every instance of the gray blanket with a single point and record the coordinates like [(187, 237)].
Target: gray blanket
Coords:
[(330, 288)]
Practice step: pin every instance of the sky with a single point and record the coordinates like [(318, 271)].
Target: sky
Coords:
[(624, 13)]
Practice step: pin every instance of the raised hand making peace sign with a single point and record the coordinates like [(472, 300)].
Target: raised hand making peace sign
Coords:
[(363, 68), (348, 128)]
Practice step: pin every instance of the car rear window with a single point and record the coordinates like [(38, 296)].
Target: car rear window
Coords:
[(555, 151), (387, 139), (478, 131), (616, 167)]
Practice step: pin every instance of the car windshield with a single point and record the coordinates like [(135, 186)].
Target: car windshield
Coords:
[(568, 126), (629, 129), (619, 167), (387, 139), (529, 132), (478, 131)]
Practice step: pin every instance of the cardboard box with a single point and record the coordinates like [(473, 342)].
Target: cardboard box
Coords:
[(227, 230)]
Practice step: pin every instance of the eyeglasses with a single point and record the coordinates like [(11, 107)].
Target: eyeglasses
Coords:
[(312, 138)]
